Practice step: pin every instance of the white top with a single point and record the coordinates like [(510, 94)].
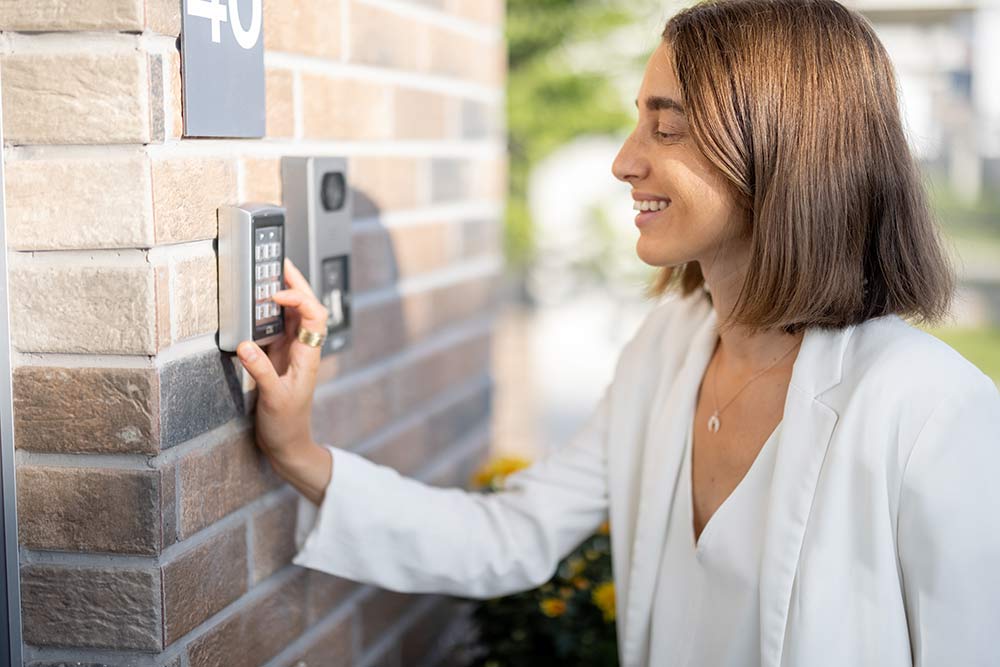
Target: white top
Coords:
[(706, 611)]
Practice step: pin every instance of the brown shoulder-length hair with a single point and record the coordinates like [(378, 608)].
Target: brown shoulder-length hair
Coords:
[(795, 102)]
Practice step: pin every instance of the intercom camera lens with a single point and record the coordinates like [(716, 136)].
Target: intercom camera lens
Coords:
[(332, 191)]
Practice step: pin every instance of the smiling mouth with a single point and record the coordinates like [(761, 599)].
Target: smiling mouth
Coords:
[(646, 216)]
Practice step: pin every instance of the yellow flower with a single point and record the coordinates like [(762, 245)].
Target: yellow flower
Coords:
[(604, 528), (576, 565), (581, 583), (497, 469), (591, 554), (604, 597), (552, 607)]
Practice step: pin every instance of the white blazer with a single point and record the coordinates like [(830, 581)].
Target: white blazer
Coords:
[(882, 542)]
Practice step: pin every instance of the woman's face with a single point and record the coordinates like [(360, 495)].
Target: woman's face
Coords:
[(702, 221)]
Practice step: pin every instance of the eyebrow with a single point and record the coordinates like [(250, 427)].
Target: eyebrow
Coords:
[(655, 103)]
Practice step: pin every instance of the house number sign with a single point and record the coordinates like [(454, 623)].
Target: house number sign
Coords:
[(222, 68)]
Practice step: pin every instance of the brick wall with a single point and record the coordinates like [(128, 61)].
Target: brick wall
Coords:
[(152, 532)]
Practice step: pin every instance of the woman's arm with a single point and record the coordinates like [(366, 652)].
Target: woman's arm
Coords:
[(949, 531)]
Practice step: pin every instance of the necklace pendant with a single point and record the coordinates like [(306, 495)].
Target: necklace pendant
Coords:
[(713, 423)]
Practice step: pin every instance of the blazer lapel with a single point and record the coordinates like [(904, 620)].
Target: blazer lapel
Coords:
[(673, 407), (807, 426)]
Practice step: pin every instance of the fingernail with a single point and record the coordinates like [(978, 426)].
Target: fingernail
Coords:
[(248, 353)]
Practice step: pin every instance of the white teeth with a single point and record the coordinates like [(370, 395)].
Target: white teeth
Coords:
[(657, 205)]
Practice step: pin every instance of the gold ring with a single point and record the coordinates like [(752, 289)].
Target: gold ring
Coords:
[(311, 338)]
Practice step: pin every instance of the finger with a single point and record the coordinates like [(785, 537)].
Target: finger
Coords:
[(258, 365), (311, 313), (295, 279)]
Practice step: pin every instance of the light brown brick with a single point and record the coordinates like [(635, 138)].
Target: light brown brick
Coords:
[(458, 55), (280, 103), (262, 180), (311, 27), (386, 39), (490, 12), (220, 480), (381, 611), (161, 285), (387, 183), (324, 593), (254, 635), (89, 509), (202, 581), (417, 249), (419, 640), (352, 413), (195, 301), (421, 114), (274, 538), (337, 108), (107, 410), (82, 309), (63, 204), (76, 99), (164, 16), (420, 380), (176, 123), (116, 608), (186, 195), (122, 15), (331, 649)]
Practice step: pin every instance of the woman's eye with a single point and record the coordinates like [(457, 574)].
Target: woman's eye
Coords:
[(665, 135)]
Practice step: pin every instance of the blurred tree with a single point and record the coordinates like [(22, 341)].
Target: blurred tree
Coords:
[(548, 102)]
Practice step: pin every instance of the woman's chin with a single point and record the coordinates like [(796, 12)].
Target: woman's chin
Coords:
[(657, 254)]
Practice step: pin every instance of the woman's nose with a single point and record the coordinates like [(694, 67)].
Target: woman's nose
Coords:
[(628, 164)]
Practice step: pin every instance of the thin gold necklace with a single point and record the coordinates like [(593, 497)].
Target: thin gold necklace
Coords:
[(713, 422)]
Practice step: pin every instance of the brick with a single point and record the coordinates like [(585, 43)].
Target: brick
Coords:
[(421, 248), (99, 410), (262, 180), (76, 99), (490, 12), (337, 108), (157, 102), (164, 16), (110, 607), (274, 538), (168, 505), (480, 237), (186, 195), (332, 649), (113, 15), (371, 265), (381, 611), (450, 180), (379, 330), (254, 635), (406, 451), (387, 183), (202, 581), (176, 124), (422, 114), (435, 372), (460, 56), (352, 413), (280, 103), (197, 395), (194, 300), (324, 593), (161, 287), (311, 27), (422, 639), (488, 179), (222, 479), (82, 309), (63, 204), (480, 120), (386, 39), (89, 509)]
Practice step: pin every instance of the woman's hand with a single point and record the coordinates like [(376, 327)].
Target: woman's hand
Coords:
[(286, 379)]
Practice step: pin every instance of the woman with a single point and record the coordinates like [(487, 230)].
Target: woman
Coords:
[(794, 475)]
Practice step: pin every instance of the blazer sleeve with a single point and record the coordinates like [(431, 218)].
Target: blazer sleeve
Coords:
[(948, 541), (378, 527)]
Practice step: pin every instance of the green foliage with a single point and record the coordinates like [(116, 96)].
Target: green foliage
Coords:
[(548, 103)]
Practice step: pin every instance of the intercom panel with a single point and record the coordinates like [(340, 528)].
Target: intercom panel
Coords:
[(317, 197), (251, 269)]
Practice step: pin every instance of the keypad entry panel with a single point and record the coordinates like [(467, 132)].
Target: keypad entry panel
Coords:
[(268, 278)]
